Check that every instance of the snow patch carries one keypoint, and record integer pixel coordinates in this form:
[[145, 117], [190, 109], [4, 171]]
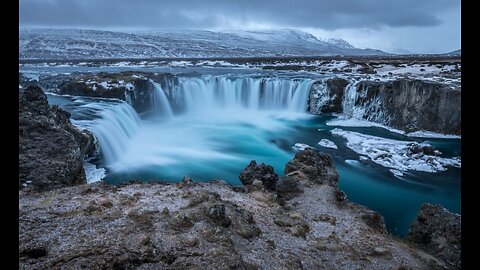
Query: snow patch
[[327, 143], [429, 134], [396, 173], [301, 146], [92, 173], [353, 122], [395, 154]]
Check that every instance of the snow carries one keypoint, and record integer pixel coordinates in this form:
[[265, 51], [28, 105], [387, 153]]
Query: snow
[[341, 121], [92, 173], [429, 134], [327, 143], [396, 173], [105, 85], [70, 44], [417, 69], [301, 146], [395, 154]]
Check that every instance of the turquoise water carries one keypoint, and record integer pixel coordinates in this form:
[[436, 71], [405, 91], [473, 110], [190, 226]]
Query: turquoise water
[[219, 146]]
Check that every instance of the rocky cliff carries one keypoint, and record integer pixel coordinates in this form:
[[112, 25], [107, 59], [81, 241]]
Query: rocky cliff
[[51, 149], [302, 222], [405, 104]]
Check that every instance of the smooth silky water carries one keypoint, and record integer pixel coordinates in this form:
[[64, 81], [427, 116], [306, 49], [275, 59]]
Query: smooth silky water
[[212, 127]]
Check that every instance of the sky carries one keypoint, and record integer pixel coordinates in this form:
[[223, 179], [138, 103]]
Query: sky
[[398, 26]]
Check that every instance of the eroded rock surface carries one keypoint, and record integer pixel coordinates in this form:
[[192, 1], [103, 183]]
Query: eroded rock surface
[[211, 225], [438, 232], [51, 149]]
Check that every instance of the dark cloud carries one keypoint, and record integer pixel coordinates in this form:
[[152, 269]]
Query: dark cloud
[[329, 15]]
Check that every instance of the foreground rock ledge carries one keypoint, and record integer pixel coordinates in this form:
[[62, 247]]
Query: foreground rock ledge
[[51, 149], [211, 225]]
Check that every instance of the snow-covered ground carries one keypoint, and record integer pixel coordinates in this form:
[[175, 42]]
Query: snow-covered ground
[[398, 155], [88, 44], [342, 121]]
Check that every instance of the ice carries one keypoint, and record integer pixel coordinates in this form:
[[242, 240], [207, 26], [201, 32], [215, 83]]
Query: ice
[[327, 143], [92, 173], [353, 122], [301, 146], [429, 134], [395, 154], [396, 173]]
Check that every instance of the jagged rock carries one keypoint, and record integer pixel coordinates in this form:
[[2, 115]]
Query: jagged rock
[[411, 105], [261, 172], [140, 96], [217, 213], [207, 226], [327, 97], [375, 221], [317, 167], [438, 232], [422, 148], [288, 187], [51, 149]]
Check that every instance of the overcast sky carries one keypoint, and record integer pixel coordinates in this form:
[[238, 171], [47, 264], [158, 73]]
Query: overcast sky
[[419, 26]]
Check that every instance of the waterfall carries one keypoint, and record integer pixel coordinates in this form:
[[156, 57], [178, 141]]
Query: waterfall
[[160, 104], [349, 98], [197, 95], [122, 135], [114, 128]]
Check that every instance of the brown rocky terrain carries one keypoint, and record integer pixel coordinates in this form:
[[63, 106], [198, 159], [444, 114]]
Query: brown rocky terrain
[[212, 225]]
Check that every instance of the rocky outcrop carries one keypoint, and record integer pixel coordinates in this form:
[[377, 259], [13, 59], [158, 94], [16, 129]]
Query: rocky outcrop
[[411, 105], [259, 172], [438, 232], [51, 149], [327, 96], [212, 225], [313, 166], [405, 104], [136, 88]]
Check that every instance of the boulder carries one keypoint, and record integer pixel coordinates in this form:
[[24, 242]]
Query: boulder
[[438, 232], [316, 167], [261, 172]]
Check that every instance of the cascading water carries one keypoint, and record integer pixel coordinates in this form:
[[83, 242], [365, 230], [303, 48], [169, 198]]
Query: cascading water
[[211, 116], [160, 105], [210, 93], [114, 127], [349, 99]]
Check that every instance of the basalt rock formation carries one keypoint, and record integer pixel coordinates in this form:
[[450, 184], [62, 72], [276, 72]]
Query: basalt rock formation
[[51, 149]]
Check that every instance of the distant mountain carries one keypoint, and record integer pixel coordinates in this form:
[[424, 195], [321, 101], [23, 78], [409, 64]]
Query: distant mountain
[[341, 43], [456, 52], [82, 44]]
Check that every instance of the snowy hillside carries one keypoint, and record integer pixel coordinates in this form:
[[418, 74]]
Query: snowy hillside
[[81, 44]]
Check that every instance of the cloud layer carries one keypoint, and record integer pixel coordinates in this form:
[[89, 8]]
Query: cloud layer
[[330, 16]]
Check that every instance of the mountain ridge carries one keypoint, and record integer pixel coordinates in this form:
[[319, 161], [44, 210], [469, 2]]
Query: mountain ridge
[[49, 43]]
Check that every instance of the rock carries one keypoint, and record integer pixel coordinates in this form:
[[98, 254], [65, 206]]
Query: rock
[[51, 149], [327, 97], [261, 172], [411, 105], [288, 187], [186, 181], [424, 148], [217, 213], [340, 196], [375, 221], [326, 218], [315, 166], [438, 232]]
